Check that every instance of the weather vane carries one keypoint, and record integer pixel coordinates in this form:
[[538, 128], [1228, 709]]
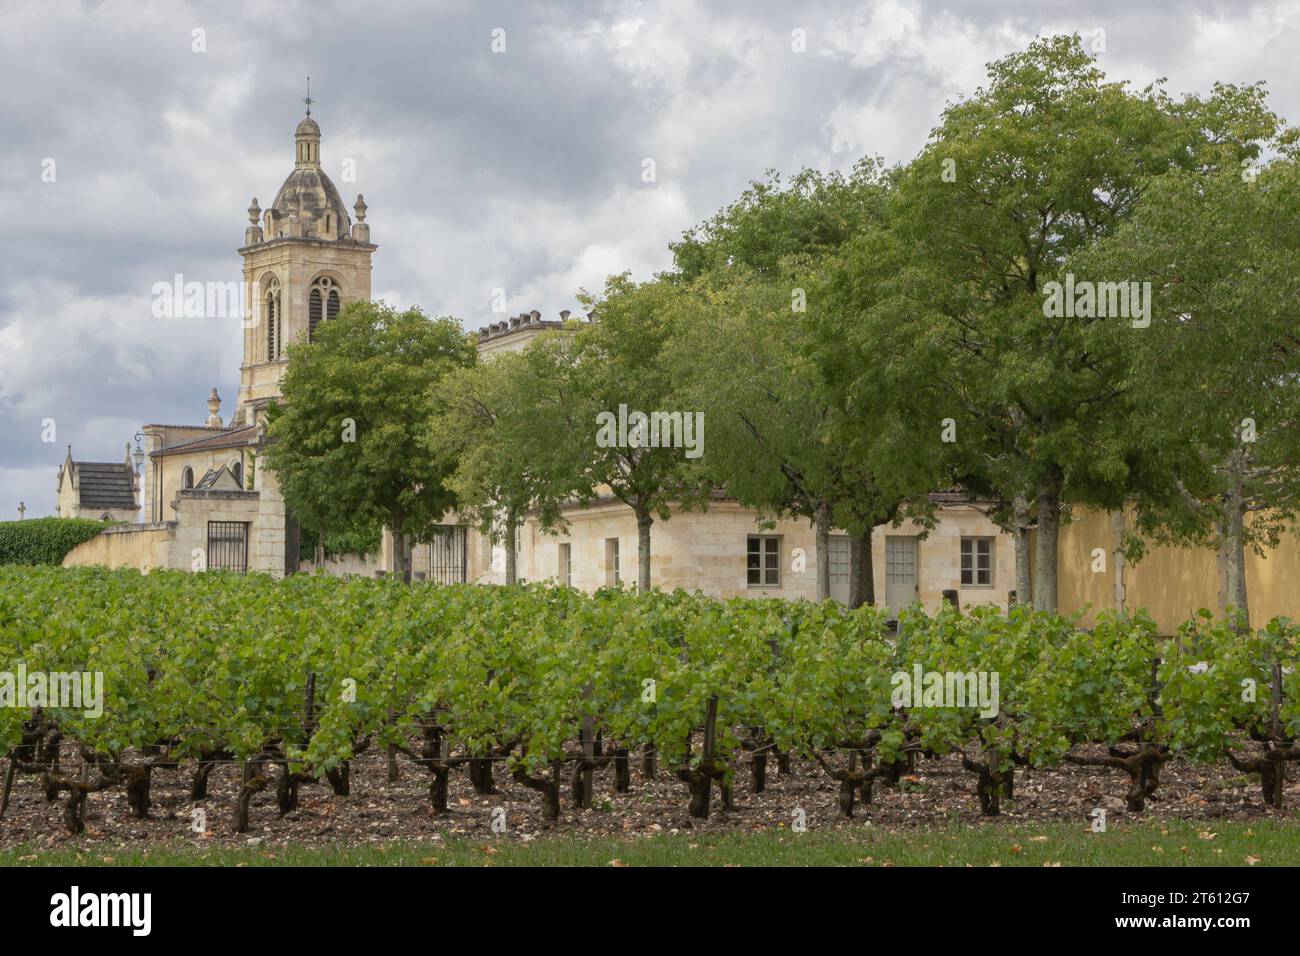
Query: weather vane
[[308, 98]]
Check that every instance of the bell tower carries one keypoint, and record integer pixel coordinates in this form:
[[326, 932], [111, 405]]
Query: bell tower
[[304, 260]]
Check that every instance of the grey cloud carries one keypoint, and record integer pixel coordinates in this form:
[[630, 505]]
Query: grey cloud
[[517, 170]]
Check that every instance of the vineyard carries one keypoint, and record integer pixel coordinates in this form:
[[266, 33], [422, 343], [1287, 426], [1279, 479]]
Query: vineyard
[[297, 682]]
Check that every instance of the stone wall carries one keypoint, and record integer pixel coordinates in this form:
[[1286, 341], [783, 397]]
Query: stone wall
[[140, 546], [194, 509], [707, 551]]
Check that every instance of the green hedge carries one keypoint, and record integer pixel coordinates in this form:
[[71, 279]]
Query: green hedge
[[348, 541], [44, 540]]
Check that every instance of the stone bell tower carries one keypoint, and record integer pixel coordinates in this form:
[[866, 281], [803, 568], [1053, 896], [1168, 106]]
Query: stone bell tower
[[304, 259]]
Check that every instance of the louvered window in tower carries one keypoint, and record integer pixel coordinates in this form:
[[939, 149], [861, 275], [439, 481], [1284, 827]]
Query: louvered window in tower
[[274, 343], [313, 314], [323, 303]]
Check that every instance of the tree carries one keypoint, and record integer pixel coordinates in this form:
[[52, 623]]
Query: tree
[[784, 439], [1038, 165], [787, 438], [348, 445], [488, 425], [773, 222], [1216, 375], [609, 414]]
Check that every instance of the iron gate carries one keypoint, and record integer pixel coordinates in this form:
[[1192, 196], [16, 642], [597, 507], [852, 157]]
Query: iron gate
[[447, 554], [227, 546]]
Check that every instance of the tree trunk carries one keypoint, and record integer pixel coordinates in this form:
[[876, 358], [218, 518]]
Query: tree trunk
[[400, 569], [1020, 536], [512, 564], [1232, 533], [1049, 529], [862, 575], [822, 523], [643, 522]]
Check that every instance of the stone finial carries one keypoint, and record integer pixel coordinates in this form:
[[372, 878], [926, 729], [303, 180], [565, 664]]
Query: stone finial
[[564, 315], [22, 510], [254, 212], [360, 208], [214, 409]]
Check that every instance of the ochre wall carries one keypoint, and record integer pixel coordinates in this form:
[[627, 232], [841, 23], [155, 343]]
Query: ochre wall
[[1171, 583], [132, 546]]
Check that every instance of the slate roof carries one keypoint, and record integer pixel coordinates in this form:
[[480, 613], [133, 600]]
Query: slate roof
[[104, 484]]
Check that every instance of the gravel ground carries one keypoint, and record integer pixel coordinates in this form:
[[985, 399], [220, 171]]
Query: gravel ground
[[939, 794]]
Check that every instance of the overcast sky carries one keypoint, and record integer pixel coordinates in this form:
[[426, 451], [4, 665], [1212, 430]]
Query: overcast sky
[[518, 170]]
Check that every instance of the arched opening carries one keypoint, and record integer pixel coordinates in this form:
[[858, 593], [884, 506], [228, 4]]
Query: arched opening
[[187, 477], [237, 469], [274, 336], [323, 303]]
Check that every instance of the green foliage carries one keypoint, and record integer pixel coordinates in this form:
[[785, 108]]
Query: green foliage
[[1214, 381], [220, 662], [44, 540], [348, 444], [337, 543]]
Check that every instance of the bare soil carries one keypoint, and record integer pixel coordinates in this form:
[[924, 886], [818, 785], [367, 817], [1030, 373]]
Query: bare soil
[[939, 794]]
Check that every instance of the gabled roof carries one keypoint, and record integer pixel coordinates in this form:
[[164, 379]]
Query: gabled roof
[[103, 484], [218, 479]]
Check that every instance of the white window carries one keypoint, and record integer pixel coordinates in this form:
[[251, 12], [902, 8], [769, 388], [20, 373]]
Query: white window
[[612, 577], [763, 561], [565, 571], [977, 562]]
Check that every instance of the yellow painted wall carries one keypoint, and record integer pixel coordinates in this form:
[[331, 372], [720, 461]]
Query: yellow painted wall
[[143, 547], [1171, 583]]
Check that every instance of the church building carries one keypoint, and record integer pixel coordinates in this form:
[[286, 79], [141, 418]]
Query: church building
[[208, 503]]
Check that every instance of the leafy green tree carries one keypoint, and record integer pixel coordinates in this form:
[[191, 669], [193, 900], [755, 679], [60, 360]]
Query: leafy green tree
[[1216, 375], [773, 221], [1039, 164], [784, 439], [348, 445], [488, 424], [788, 438], [609, 370]]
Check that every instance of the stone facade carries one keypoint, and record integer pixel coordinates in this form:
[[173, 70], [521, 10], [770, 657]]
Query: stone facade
[[99, 490], [707, 551], [304, 260]]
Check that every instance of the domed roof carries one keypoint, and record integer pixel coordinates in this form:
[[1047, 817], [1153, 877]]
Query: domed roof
[[309, 195], [308, 205]]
